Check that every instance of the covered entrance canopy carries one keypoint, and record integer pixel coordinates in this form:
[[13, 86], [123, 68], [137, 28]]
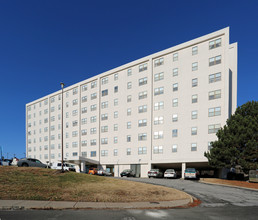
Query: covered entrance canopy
[[82, 162]]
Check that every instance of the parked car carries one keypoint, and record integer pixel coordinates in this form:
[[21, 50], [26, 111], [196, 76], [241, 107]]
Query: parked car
[[6, 162], [127, 173], [14, 161], [102, 172], [170, 173], [66, 166], [30, 162], [191, 173], [155, 173], [93, 171], [253, 176]]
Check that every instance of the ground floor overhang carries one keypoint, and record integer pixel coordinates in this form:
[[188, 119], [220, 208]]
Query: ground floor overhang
[[83, 160]]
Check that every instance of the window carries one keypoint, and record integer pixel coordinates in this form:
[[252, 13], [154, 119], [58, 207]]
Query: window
[[194, 114], [115, 102], [175, 72], [84, 99], [194, 98], [215, 94], [142, 67], [214, 43], [142, 137], [129, 72], [195, 66], [158, 120], [158, 105], [142, 95], [84, 88], [93, 84], [104, 92], [194, 131], [174, 133], [93, 119], [175, 102], [52, 118], [104, 80], [142, 150], [75, 112], [214, 77], [84, 154], [129, 124], [159, 62], [159, 91], [213, 128], [67, 94], [115, 89], [84, 132], [158, 135], [116, 76], [115, 114], [93, 131], [52, 137], [74, 144], [93, 96], [158, 76], [194, 82], [129, 85], [93, 107], [115, 127], [215, 60], [129, 98], [158, 149], [104, 129], [104, 104], [209, 146], [214, 111], [75, 101], [175, 87], [174, 148], [84, 143], [75, 91], [51, 100], [128, 151], [74, 133], [115, 152], [75, 123], [84, 121], [195, 50], [104, 153], [45, 111], [143, 81], [115, 140], [67, 104], [129, 111], [174, 118], [104, 116], [175, 56], [104, 140], [93, 142], [193, 147], [142, 108], [93, 153], [128, 138], [52, 109], [142, 123]]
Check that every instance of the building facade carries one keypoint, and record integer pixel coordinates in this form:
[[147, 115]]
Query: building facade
[[160, 111]]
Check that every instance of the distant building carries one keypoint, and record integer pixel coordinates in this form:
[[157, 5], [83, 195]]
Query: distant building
[[159, 111]]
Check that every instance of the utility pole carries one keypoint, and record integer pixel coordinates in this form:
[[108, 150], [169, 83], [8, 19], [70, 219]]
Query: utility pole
[[62, 130]]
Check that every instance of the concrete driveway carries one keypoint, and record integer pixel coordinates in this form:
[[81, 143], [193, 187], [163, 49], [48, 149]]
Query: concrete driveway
[[210, 195]]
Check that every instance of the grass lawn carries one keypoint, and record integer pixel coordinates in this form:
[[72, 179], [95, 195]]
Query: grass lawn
[[45, 184]]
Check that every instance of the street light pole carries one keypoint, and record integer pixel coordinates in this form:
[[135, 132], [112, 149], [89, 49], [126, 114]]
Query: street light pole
[[62, 130]]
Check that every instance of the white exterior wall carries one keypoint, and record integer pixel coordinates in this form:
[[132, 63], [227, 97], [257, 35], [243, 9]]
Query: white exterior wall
[[35, 116]]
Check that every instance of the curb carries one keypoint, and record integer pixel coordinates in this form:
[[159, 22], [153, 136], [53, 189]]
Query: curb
[[219, 184], [62, 205]]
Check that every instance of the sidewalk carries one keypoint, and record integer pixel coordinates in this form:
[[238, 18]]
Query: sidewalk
[[32, 204]]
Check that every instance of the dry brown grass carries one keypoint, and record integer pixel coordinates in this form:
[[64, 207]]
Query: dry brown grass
[[44, 184]]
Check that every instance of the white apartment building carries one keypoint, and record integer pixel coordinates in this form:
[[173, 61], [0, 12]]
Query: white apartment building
[[160, 111]]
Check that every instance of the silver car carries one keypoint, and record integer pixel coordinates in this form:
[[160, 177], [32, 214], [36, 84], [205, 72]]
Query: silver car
[[30, 162]]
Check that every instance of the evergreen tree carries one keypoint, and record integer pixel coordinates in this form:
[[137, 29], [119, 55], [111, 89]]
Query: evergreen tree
[[237, 142]]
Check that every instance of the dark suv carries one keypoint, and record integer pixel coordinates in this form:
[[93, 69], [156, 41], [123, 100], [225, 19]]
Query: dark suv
[[128, 173]]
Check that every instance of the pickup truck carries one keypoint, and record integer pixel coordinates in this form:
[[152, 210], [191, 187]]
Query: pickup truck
[[191, 173]]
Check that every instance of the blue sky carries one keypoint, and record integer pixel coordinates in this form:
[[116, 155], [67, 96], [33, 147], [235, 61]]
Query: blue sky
[[45, 42]]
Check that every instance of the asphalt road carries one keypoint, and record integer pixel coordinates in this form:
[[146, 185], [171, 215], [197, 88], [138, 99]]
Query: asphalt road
[[218, 202]]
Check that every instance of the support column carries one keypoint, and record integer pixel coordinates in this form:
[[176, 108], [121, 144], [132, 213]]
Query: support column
[[83, 167], [183, 170]]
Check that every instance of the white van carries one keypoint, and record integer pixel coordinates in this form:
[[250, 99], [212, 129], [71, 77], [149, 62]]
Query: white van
[[66, 166]]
